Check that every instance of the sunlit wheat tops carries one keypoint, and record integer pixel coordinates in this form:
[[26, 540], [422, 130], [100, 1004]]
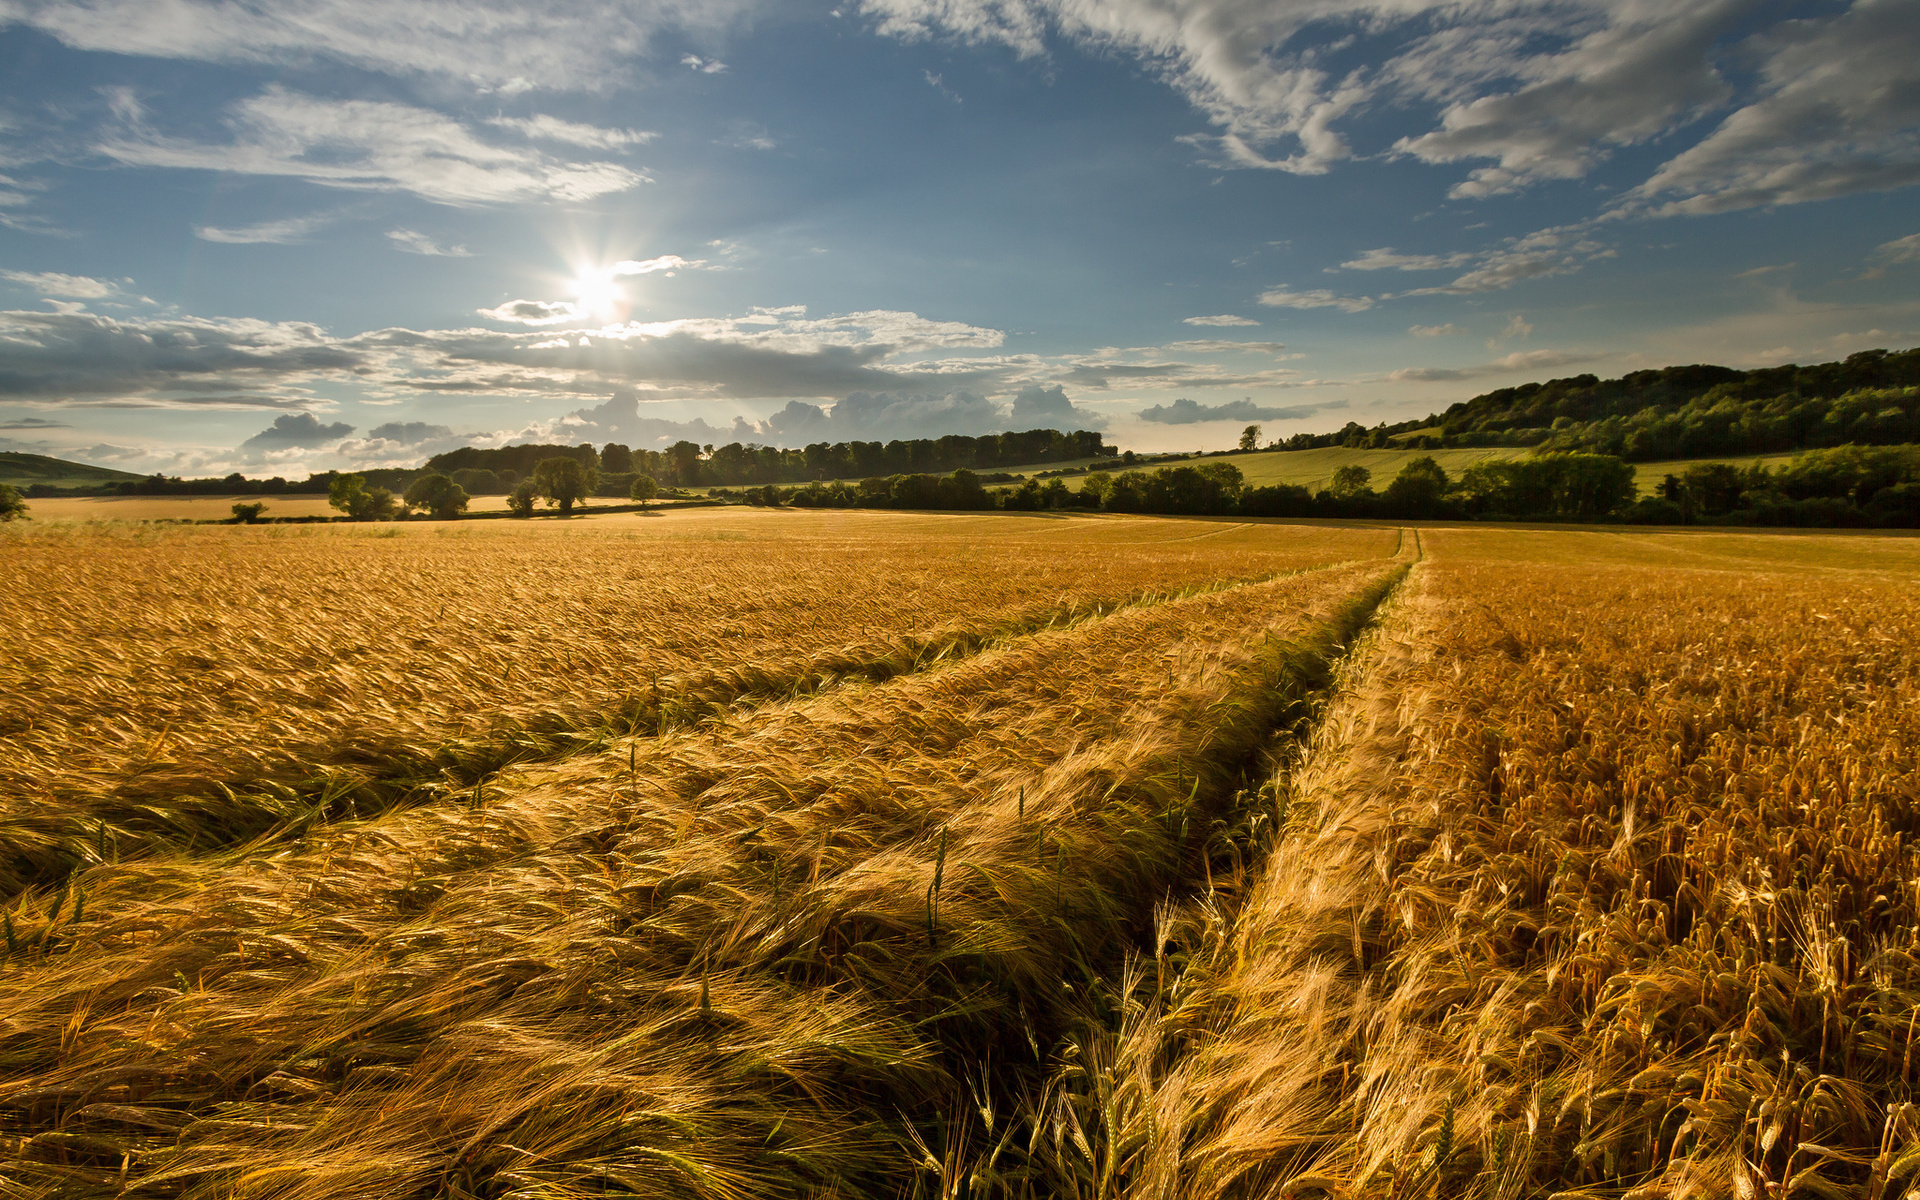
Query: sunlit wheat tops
[[202, 687], [788, 855]]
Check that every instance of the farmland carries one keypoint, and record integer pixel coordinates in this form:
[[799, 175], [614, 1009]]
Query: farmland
[[727, 854]]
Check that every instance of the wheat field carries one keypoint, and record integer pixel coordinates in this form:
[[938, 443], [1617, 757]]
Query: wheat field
[[731, 854]]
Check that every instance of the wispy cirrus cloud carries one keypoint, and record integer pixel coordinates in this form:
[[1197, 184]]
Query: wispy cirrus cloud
[[366, 145], [553, 129], [498, 45], [278, 233], [412, 242], [69, 287]]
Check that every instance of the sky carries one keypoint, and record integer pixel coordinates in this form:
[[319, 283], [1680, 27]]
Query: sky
[[282, 236]]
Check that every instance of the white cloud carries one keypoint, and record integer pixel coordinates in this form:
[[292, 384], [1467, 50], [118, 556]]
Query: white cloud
[[1646, 69], [84, 359], [1544, 89], [370, 145], [647, 266], [1900, 250], [1191, 412], [1839, 114], [1281, 297], [52, 283], [1529, 360], [1222, 319], [1037, 407], [1384, 259], [1429, 331], [419, 243], [553, 129], [534, 312], [1224, 346], [302, 430], [291, 229], [708, 66], [502, 45]]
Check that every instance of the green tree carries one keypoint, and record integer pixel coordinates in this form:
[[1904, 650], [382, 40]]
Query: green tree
[[644, 489], [439, 495], [520, 499], [351, 495], [1250, 437], [13, 506], [1351, 482], [1419, 487], [248, 514], [616, 459], [565, 482]]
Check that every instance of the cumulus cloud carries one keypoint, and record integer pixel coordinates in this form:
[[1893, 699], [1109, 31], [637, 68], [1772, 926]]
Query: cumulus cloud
[[176, 362], [1037, 407], [1838, 114], [1529, 360], [502, 45], [1281, 297], [409, 433], [534, 312], [411, 242], [282, 232], [1222, 319], [296, 431], [72, 287], [367, 145], [1191, 412], [553, 129]]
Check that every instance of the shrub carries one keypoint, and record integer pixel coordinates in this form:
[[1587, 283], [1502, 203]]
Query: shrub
[[245, 513]]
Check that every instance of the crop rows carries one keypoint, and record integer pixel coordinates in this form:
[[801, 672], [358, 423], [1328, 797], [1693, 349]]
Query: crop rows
[[825, 945], [1598, 881], [198, 688]]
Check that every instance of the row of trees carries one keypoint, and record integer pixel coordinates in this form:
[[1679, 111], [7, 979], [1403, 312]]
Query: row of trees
[[688, 465], [1849, 486], [1560, 486], [1869, 398]]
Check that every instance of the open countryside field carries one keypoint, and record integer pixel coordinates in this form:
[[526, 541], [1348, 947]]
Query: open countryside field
[[734, 853]]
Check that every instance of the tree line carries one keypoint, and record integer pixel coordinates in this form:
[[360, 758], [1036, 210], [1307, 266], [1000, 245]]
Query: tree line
[[1698, 411], [1848, 486], [689, 465]]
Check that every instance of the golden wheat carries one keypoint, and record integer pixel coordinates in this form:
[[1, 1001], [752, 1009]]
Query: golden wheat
[[173, 688], [730, 960], [1600, 881]]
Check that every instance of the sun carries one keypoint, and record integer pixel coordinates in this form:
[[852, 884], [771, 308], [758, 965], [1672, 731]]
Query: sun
[[598, 293]]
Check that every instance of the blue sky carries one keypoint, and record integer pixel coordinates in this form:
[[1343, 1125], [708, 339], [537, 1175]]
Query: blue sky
[[283, 237]]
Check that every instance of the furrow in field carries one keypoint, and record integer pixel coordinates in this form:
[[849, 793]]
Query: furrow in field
[[1600, 881], [203, 692], [767, 957]]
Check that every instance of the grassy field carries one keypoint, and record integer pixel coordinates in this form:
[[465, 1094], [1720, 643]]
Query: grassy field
[[25, 470], [737, 853]]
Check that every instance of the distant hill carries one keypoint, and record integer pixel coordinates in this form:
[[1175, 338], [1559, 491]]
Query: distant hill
[[25, 470], [1871, 398]]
